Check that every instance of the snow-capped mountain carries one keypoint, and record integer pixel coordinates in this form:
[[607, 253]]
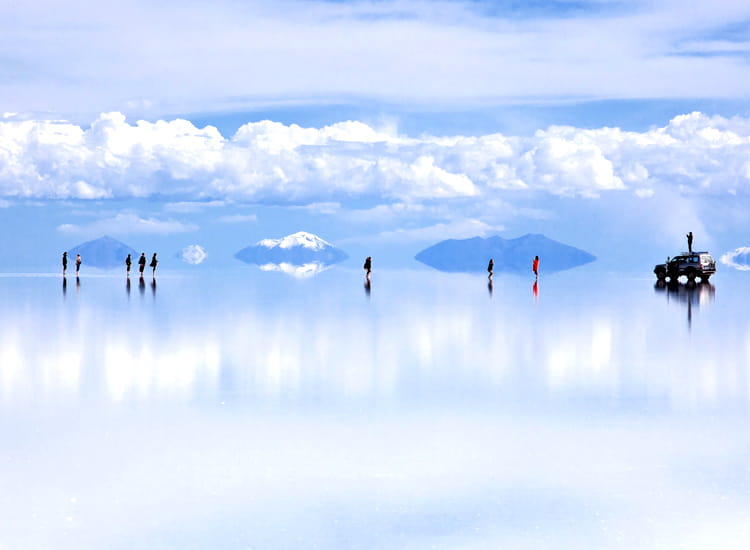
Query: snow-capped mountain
[[514, 255], [297, 249], [105, 253]]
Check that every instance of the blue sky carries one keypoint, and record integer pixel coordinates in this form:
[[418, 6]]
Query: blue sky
[[383, 125]]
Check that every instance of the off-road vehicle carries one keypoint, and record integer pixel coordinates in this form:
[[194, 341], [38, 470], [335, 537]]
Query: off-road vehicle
[[696, 265]]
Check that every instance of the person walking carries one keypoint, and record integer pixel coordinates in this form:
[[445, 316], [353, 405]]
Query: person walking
[[65, 262], [78, 264], [153, 264], [142, 263], [535, 266], [128, 263], [690, 242], [368, 267], [490, 267]]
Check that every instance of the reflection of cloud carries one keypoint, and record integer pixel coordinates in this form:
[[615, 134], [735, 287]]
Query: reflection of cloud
[[193, 254], [301, 271], [129, 222], [739, 258]]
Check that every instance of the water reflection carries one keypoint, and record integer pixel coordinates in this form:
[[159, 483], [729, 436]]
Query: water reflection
[[127, 287], [489, 287], [368, 287], [141, 286], [535, 290], [297, 270], [425, 339], [153, 288], [64, 286], [688, 294]]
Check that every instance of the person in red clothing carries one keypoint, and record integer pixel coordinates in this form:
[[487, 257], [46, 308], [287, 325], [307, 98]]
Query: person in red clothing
[[535, 266]]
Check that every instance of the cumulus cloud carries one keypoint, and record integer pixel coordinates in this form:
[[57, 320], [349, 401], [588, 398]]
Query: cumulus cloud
[[193, 254], [287, 164], [129, 222], [739, 258]]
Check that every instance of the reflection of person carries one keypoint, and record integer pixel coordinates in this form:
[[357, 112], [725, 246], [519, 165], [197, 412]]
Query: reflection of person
[[368, 287], [490, 267], [141, 285], [489, 287], [153, 263], [690, 242], [153, 287], [368, 267], [535, 289], [535, 266], [65, 287], [65, 262], [78, 263], [128, 263], [142, 263], [127, 286]]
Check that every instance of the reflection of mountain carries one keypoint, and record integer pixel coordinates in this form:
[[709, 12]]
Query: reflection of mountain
[[104, 252], [301, 271], [515, 255], [300, 250]]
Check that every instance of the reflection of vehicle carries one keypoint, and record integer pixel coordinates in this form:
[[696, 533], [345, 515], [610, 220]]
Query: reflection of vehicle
[[688, 294], [692, 266]]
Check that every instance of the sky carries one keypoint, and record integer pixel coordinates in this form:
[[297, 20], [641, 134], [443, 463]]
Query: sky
[[382, 126]]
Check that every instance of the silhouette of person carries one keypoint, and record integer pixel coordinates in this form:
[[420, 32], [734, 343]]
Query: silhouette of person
[[128, 263], [153, 264], [65, 262], [368, 267], [78, 263], [690, 242], [535, 266], [490, 267], [142, 263]]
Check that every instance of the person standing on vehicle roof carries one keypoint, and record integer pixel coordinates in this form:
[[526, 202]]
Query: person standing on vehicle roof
[[690, 242]]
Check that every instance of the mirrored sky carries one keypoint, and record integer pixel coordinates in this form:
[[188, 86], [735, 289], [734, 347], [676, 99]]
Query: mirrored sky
[[255, 410]]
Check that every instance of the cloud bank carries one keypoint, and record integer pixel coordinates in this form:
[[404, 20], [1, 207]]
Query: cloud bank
[[275, 163], [739, 258]]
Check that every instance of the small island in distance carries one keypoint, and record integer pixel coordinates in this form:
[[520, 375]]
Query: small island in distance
[[510, 255]]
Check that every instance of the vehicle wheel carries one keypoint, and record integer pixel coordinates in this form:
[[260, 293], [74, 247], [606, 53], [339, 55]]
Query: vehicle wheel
[[661, 275]]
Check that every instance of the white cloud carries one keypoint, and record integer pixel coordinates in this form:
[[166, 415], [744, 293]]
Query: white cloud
[[190, 207], [193, 254], [239, 218], [739, 258], [460, 229], [129, 222], [398, 51], [325, 167]]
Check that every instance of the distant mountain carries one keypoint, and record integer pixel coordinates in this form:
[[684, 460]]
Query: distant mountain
[[297, 250], [104, 253], [514, 255]]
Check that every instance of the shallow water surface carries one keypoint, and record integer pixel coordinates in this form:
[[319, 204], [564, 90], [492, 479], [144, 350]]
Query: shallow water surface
[[255, 410]]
